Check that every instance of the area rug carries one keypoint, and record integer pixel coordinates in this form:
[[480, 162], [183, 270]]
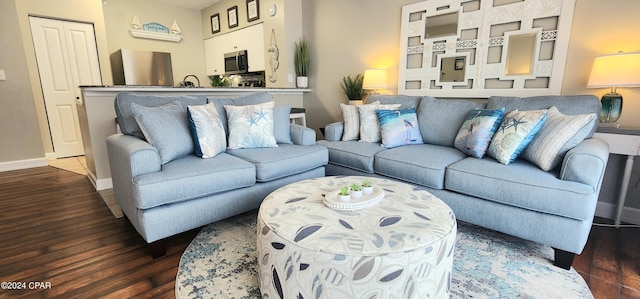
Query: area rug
[[221, 263]]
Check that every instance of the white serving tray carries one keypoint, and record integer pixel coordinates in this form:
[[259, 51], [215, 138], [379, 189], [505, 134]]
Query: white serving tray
[[332, 201]]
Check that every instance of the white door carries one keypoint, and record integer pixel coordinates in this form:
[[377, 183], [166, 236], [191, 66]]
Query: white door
[[67, 58]]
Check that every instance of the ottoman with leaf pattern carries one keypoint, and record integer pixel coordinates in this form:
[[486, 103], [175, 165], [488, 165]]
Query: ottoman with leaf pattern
[[399, 248]]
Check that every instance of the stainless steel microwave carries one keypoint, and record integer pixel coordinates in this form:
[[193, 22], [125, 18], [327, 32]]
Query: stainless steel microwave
[[236, 63]]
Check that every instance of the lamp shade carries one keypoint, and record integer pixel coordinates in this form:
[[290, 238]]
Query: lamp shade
[[615, 70], [375, 79]]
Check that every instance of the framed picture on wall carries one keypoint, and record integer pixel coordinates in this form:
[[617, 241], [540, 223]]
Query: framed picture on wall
[[232, 14], [215, 23], [253, 10]]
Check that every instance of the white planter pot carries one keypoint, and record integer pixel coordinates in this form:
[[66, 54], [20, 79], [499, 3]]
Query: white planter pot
[[356, 194], [367, 190], [344, 197], [302, 82]]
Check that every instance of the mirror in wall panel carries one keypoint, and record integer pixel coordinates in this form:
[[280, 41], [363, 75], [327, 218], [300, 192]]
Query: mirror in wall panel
[[484, 47], [521, 49], [441, 25]]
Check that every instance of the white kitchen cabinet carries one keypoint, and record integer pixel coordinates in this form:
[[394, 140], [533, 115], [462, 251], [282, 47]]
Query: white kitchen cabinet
[[249, 38]]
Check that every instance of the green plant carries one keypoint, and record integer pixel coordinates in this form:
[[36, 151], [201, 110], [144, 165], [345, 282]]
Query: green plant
[[356, 187], [366, 183], [218, 80], [352, 86], [344, 191], [301, 58]]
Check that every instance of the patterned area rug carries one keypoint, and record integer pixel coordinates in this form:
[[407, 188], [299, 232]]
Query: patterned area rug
[[221, 260]]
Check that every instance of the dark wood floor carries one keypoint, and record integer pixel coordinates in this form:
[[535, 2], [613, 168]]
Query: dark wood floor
[[54, 228]]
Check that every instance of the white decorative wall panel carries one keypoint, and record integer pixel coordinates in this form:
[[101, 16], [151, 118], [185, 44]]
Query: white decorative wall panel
[[479, 48]]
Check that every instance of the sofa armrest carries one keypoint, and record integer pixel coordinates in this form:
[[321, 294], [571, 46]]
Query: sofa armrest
[[302, 135], [586, 163], [333, 131], [131, 156]]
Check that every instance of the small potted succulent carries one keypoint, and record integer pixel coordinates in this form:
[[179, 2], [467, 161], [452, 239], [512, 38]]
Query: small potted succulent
[[356, 191], [367, 188], [344, 195]]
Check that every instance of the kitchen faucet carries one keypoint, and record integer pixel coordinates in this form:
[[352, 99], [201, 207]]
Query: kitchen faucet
[[186, 83]]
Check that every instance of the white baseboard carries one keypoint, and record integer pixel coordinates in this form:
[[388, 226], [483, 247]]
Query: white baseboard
[[23, 164], [101, 184], [608, 210]]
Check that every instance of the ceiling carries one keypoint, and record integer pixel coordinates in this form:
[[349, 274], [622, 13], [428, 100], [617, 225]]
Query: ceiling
[[191, 4]]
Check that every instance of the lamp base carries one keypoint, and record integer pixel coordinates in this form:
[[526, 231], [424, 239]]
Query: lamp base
[[609, 125], [611, 107]]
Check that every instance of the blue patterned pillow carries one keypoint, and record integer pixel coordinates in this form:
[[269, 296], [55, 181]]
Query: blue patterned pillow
[[475, 133], [399, 127], [251, 126], [208, 134], [514, 134]]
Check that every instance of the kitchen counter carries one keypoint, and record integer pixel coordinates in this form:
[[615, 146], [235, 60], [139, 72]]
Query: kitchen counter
[[98, 118]]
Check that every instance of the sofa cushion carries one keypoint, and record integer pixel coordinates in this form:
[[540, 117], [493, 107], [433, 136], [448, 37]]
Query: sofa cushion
[[440, 120], [515, 185], [282, 161], [369, 125], [166, 128], [208, 134], [192, 177], [251, 99], [281, 123], [251, 126], [422, 164], [352, 154], [569, 105], [477, 130], [558, 135], [514, 134], [399, 127], [404, 100], [351, 119], [124, 114]]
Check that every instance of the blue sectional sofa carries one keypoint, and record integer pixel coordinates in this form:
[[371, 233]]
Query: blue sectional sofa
[[163, 198], [554, 207]]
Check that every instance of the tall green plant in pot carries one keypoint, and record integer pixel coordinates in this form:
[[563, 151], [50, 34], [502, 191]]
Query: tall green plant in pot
[[352, 87], [301, 61]]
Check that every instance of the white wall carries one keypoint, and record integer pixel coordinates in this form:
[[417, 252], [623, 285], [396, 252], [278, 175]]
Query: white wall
[[187, 56]]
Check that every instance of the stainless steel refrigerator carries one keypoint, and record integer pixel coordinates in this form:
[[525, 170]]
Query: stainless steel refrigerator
[[133, 67]]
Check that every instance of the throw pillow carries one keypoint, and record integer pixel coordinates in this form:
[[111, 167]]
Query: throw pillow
[[351, 122], [369, 125], [251, 126], [475, 133], [399, 127], [166, 128], [558, 135], [514, 134], [209, 138], [282, 123]]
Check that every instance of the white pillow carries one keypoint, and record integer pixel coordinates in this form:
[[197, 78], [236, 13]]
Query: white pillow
[[207, 130], [558, 135], [251, 126], [369, 125], [351, 122]]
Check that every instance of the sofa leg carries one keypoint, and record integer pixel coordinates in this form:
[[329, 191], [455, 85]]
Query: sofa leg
[[563, 259], [158, 248]]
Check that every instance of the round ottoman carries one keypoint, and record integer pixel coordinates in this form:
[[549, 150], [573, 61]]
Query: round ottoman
[[401, 247]]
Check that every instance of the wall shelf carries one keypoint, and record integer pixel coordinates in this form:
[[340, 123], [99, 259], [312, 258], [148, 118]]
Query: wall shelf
[[155, 35]]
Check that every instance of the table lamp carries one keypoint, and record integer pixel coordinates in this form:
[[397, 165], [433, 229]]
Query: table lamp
[[375, 79], [613, 71]]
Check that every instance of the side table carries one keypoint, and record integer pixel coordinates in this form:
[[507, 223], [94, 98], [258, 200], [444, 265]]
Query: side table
[[622, 141]]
